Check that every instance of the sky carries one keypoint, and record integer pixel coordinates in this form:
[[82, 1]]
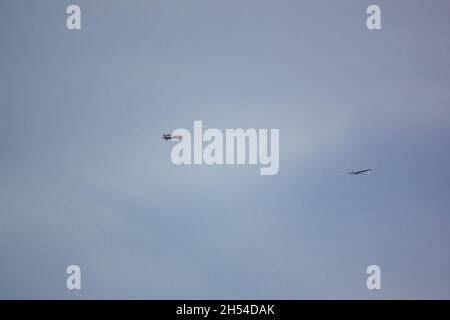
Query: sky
[[85, 178]]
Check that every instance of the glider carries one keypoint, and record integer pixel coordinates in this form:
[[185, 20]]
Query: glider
[[357, 172]]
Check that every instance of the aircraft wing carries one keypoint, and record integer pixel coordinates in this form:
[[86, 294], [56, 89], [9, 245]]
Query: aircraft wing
[[363, 171]]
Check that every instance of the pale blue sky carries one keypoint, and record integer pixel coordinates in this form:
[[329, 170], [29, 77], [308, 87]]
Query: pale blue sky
[[85, 178]]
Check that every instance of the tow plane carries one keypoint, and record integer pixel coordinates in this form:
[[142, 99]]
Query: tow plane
[[168, 136]]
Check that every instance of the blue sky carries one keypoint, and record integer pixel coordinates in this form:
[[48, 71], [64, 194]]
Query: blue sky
[[85, 178]]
